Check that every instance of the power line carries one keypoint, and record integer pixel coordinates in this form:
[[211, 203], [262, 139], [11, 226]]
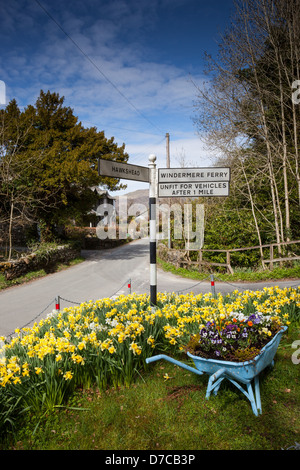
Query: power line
[[122, 128], [96, 66]]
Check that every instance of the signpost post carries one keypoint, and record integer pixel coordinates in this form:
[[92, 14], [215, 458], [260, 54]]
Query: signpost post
[[152, 229], [172, 182]]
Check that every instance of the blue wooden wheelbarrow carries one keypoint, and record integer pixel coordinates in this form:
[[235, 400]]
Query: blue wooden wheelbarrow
[[239, 373]]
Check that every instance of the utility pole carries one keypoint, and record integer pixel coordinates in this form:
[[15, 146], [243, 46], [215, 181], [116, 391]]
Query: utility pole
[[168, 149]]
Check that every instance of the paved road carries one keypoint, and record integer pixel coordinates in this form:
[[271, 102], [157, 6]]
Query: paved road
[[103, 274]]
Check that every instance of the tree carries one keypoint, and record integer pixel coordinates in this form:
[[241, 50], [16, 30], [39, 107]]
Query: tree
[[56, 158]]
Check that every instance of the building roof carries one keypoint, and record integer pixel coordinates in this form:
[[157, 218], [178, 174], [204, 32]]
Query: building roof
[[102, 192]]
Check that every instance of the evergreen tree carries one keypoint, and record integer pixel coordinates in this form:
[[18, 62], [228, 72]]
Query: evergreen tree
[[48, 154]]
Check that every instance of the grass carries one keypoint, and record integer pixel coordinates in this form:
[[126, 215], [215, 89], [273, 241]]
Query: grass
[[158, 414], [240, 275], [4, 284]]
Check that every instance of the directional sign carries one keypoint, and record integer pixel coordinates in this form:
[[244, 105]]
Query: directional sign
[[123, 170], [193, 182]]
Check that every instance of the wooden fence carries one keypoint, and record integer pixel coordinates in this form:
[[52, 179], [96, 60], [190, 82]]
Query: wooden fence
[[201, 262]]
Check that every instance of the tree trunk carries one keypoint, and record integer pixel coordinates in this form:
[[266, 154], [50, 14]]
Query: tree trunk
[[254, 216]]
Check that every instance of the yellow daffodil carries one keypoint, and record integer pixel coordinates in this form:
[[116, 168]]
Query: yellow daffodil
[[68, 375]]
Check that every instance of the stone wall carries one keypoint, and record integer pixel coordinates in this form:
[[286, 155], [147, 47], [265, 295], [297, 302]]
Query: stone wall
[[35, 261]]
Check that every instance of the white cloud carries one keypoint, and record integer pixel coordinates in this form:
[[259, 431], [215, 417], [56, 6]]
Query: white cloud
[[140, 94]]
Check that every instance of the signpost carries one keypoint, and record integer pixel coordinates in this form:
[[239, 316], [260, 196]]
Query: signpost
[[139, 173], [172, 182]]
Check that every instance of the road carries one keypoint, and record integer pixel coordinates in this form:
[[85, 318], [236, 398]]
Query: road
[[103, 274]]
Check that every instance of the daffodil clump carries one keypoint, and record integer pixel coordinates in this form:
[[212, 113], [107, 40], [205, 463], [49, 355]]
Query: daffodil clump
[[106, 342]]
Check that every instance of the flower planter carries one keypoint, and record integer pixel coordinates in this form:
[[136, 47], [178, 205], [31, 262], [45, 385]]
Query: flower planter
[[239, 373]]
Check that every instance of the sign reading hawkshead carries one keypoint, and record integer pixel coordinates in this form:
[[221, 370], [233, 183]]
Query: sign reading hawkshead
[[123, 170], [193, 182]]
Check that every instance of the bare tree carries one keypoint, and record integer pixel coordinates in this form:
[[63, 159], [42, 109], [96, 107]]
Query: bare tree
[[246, 108], [18, 203]]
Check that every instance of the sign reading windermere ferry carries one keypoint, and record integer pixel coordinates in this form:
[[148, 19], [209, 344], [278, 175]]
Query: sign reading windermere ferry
[[193, 182]]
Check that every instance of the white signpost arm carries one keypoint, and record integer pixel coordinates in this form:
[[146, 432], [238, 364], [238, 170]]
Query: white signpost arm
[[152, 229]]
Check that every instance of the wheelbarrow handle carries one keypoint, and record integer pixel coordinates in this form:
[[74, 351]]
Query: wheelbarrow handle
[[173, 361], [155, 358]]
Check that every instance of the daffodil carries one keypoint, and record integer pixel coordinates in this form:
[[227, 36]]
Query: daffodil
[[135, 348], [68, 375]]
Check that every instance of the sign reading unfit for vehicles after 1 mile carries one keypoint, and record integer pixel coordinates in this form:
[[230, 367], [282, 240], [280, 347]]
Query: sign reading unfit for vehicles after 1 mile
[[193, 182]]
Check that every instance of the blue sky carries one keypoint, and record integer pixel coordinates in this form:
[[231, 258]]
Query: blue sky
[[124, 66]]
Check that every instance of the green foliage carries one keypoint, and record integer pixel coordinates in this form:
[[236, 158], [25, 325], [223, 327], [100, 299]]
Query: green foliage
[[227, 227], [242, 355]]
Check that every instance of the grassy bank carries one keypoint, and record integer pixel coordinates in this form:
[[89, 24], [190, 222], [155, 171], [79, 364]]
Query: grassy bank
[[4, 283], [240, 275]]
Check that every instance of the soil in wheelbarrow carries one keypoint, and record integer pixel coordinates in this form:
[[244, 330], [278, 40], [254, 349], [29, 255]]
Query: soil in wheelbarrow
[[234, 353]]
